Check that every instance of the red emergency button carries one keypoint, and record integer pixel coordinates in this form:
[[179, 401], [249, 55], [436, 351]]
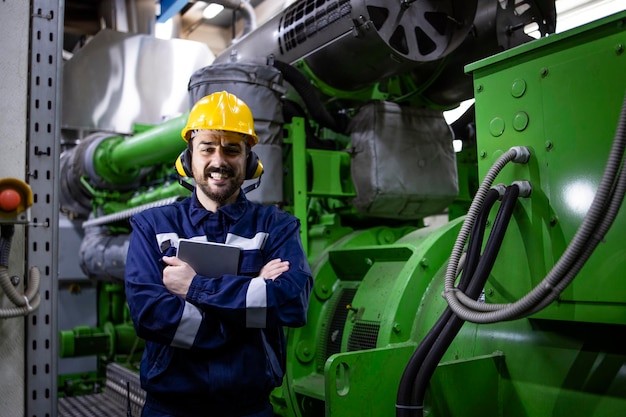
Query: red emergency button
[[10, 199], [15, 197]]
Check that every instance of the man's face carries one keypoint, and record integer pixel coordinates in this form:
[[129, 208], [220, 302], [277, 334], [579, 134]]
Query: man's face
[[219, 164]]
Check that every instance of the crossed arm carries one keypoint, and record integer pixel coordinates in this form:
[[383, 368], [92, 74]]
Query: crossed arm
[[177, 275]]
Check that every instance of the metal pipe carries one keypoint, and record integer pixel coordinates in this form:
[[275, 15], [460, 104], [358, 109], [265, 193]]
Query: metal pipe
[[248, 15]]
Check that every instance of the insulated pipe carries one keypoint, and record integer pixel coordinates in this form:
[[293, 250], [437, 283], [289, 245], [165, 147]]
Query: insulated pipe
[[379, 38], [349, 45], [102, 255]]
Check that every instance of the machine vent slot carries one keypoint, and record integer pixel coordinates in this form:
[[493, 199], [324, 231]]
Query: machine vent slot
[[333, 333], [398, 41], [364, 336], [304, 19], [439, 21], [424, 43], [378, 16]]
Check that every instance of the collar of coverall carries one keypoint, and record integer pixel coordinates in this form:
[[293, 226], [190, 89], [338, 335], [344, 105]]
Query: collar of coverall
[[234, 211]]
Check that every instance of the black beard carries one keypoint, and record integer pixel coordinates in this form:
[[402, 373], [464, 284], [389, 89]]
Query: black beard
[[224, 193]]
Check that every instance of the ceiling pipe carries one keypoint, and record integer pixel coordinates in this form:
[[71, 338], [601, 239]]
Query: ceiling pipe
[[247, 14]]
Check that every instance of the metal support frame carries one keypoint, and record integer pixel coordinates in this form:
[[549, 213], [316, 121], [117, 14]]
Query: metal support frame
[[44, 109], [300, 198]]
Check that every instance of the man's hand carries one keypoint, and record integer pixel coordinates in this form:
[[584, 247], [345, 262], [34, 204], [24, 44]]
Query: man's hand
[[177, 275], [274, 268]]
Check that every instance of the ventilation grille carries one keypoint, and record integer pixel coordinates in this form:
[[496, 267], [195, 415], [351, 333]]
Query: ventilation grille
[[306, 18], [364, 336], [333, 333]]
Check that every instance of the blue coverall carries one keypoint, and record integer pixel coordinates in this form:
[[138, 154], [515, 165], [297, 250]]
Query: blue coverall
[[221, 350]]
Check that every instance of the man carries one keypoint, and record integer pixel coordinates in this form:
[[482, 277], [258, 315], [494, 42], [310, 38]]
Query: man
[[215, 345]]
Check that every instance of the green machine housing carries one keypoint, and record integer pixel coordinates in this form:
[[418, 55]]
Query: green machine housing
[[379, 291], [560, 97]]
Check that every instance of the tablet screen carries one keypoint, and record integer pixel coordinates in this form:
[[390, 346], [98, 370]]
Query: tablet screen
[[209, 259]]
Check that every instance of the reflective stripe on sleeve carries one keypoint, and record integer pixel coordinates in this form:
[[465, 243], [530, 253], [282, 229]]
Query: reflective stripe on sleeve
[[256, 242], [187, 327], [256, 303]]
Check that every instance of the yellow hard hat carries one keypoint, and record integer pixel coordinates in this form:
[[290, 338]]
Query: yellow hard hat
[[221, 111]]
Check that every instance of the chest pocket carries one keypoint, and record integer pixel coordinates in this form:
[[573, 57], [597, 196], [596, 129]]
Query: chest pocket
[[251, 262]]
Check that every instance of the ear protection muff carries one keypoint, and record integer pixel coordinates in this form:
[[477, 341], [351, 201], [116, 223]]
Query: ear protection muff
[[254, 166], [183, 164], [183, 169]]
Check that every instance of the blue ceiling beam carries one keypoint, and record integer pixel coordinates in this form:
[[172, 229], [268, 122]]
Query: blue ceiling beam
[[169, 8]]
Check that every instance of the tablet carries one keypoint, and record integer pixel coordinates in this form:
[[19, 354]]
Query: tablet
[[209, 259]]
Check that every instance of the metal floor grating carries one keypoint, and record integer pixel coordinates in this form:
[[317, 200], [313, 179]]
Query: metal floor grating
[[121, 397]]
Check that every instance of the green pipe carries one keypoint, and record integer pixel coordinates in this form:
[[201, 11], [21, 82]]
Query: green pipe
[[117, 160], [160, 144], [172, 189]]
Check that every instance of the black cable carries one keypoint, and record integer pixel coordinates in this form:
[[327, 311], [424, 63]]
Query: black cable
[[500, 225], [309, 95], [476, 237], [428, 355], [415, 362], [292, 109], [477, 283]]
